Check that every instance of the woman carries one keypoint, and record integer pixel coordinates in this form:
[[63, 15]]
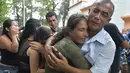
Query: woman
[[27, 36], [42, 34], [74, 36], [9, 46]]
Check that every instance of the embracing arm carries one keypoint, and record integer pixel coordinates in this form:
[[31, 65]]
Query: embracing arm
[[76, 70], [62, 64]]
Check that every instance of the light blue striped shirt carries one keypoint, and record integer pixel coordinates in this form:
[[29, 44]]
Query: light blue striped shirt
[[99, 51]]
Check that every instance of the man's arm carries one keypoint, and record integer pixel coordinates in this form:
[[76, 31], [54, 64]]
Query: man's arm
[[125, 44]]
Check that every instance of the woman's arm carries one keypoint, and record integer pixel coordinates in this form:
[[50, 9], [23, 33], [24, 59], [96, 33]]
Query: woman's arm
[[34, 60], [40, 71], [5, 43]]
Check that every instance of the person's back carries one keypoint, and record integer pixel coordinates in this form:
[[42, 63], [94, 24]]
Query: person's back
[[118, 39], [23, 58], [25, 40]]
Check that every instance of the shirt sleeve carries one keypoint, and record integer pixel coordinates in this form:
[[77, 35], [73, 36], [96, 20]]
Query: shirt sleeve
[[104, 60]]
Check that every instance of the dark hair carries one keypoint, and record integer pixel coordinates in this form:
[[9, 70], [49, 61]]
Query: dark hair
[[50, 14], [6, 24], [74, 20], [29, 29], [105, 1], [43, 33], [71, 24]]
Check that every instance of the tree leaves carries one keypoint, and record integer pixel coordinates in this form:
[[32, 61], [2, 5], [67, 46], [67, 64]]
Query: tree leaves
[[3, 10]]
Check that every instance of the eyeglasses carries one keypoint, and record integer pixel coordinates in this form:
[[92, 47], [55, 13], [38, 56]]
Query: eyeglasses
[[103, 14]]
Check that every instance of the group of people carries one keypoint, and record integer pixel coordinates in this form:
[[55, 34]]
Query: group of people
[[15, 46], [88, 44]]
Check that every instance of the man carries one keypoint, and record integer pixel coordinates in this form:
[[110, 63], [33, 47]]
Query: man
[[119, 41], [52, 20], [99, 48]]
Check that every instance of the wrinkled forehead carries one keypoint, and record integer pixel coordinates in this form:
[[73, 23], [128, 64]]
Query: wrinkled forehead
[[106, 7], [51, 18]]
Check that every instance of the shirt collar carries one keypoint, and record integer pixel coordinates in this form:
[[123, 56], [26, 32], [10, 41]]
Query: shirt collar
[[100, 37]]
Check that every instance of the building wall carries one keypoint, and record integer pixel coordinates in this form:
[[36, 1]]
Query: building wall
[[77, 7], [121, 9]]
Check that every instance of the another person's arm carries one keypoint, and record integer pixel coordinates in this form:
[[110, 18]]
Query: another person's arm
[[34, 61], [40, 71], [62, 64], [34, 56]]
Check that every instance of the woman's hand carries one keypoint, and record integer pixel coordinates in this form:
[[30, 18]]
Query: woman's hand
[[14, 30], [36, 46]]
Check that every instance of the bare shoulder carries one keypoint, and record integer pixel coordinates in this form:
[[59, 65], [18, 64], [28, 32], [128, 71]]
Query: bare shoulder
[[3, 41], [31, 52], [4, 38]]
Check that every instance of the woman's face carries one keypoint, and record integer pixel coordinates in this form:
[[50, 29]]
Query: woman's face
[[79, 33], [14, 27]]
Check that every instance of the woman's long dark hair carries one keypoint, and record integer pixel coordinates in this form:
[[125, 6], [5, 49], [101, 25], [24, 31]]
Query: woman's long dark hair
[[30, 29], [42, 34], [71, 24]]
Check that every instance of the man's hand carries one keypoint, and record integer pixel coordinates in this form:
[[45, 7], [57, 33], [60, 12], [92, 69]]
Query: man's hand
[[56, 63], [124, 68]]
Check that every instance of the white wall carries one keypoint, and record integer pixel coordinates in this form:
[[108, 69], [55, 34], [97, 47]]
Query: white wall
[[76, 8], [122, 7]]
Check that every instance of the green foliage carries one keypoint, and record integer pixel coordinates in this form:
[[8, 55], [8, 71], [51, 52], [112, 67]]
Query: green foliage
[[3, 10], [47, 5], [31, 8], [17, 10], [64, 10]]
